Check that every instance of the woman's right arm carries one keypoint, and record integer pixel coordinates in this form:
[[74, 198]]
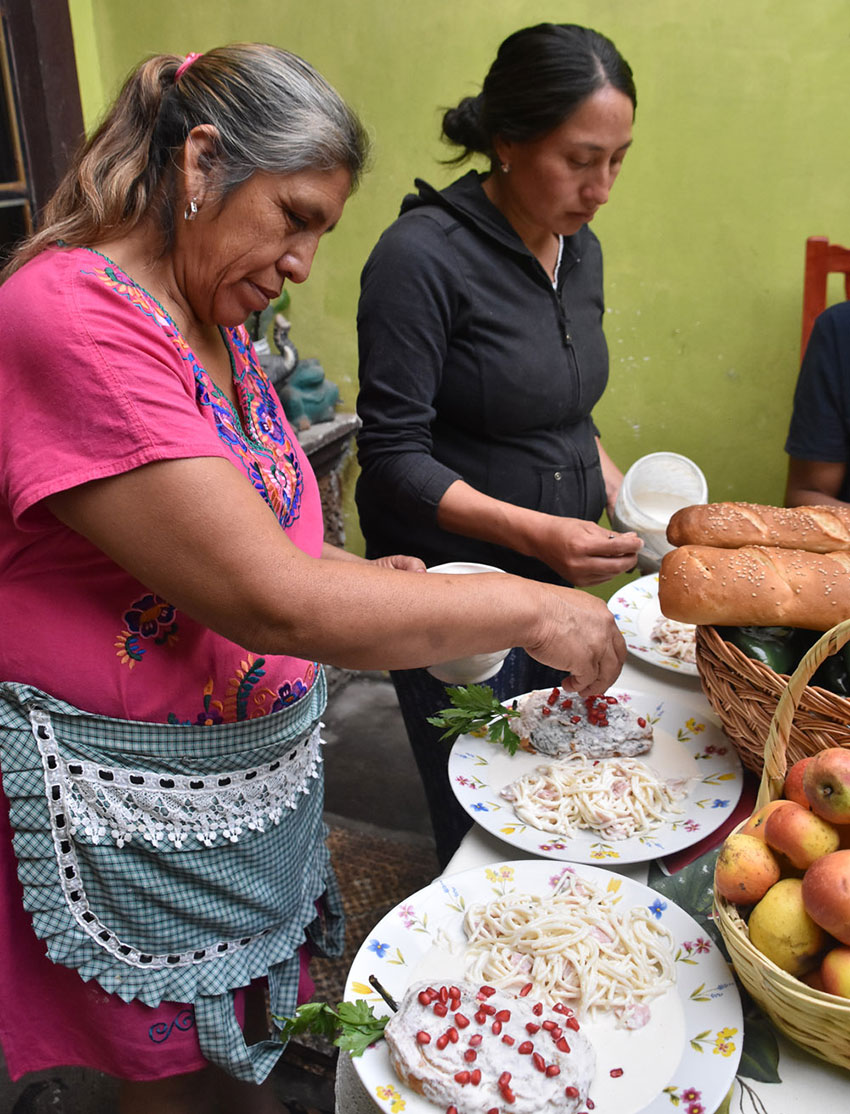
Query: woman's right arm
[[239, 574]]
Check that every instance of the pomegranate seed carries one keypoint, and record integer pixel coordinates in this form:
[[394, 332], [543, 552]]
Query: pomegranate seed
[[442, 1041], [553, 1070], [575, 719], [481, 1017], [452, 1034], [550, 1025], [462, 1077], [545, 711], [470, 1055], [440, 1010], [486, 991], [424, 998], [496, 1028], [526, 1048], [454, 992], [508, 1095], [476, 1040], [553, 696], [572, 1023], [461, 1020], [504, 1079], [532, 1028], [537, 1009], [538, 1061], [559, 1007], [444, 994], [557, 1032], [503, 1015], [488, 1009], [451, 1110], [611, 700], [493, 1110], [562, 1045], [423, 1037], [641, 721], [526, 990], [508, 1039], [571, 1092], [566, 704], [590, 1104], [615, 1073], [475, 1076]]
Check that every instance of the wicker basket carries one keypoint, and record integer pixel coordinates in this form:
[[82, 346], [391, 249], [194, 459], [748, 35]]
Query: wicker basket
[[817, 1021], [744, 694]]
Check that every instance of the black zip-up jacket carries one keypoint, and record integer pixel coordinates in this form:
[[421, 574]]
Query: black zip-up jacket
[[473, 366]]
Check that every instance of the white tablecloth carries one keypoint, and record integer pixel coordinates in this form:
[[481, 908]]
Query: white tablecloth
[[805, 1079]]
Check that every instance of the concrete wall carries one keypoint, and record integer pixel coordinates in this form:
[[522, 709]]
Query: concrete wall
[[741, 152]]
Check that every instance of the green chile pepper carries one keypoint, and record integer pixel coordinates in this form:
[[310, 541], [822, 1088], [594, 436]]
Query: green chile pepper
[[775, 647]]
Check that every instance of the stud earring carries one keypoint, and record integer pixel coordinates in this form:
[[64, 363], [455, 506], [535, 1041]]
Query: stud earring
[[505, 168], [191, 210]]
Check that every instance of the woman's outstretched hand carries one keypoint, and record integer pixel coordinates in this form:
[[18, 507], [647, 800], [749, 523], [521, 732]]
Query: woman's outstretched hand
[[579, 635], [584, 553]]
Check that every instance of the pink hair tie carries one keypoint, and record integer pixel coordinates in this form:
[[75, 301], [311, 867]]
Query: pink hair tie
[[184, 65]]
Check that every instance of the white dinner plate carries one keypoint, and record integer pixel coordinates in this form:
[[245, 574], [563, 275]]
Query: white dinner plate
[[685, 745], [684, 1060], [635, 610]]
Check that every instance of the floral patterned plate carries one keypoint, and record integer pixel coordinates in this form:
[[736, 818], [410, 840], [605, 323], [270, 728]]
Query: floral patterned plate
[[682, 1062], [636, 611], [683, 746]]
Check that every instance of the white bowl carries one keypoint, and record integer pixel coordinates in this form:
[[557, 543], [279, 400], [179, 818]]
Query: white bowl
[[477, 667]]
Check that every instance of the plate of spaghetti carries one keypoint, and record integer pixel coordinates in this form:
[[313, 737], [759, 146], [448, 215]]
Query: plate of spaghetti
[[648, 634], [612, 810], [651, 993]]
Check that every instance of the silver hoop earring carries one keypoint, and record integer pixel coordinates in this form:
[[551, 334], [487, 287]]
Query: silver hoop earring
[[191, 210], [505, 168]]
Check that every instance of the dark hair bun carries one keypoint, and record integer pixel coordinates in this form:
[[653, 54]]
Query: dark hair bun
[[462, 126]]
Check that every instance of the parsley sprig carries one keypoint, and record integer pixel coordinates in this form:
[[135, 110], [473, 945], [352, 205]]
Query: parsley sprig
[[475, 709], [352, 1026]]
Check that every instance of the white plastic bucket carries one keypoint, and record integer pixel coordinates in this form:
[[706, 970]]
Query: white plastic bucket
[[654, 488]]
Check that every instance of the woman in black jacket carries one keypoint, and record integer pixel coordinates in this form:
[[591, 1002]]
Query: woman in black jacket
[[482, 353]]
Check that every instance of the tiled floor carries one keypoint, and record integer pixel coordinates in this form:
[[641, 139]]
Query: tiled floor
[[382, 850]]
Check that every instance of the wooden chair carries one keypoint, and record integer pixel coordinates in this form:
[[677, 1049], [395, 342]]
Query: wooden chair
[[822, 260]]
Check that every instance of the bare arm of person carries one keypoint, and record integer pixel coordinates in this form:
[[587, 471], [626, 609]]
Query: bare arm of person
[[814, 483], [612, 476], [238, 573], [580, 551]]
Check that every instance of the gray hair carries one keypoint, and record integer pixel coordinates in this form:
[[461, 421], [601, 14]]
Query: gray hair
[[272, 112]]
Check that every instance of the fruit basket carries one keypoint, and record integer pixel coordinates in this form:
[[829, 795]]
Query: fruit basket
[[744, 694], [816, 1021]]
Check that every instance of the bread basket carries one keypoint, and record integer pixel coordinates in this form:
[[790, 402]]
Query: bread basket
[[744, 694], [816, 1021]]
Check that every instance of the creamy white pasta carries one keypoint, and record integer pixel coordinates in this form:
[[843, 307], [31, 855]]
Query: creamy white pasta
[[576, 948], [674, 639], [616, 797]]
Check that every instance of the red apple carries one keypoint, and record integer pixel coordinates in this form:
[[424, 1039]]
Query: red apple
[[835, 972], [826, 894], [826, 782], [801, 835], [793, 788]]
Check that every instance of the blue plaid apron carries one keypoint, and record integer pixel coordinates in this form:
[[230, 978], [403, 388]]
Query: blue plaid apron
[[174, 863]]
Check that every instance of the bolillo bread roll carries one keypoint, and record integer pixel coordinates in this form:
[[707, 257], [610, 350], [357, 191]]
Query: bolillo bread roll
[[731, 525], [755, 586]]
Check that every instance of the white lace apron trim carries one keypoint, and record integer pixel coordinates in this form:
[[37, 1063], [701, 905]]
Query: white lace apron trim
[[113, 804]]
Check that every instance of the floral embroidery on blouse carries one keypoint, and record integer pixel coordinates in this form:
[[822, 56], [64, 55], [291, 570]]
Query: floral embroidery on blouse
[[246, 698], [268, 456]]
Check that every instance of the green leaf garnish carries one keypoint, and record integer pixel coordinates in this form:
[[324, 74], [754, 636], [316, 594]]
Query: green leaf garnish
[[352, 1026], [476, 709]]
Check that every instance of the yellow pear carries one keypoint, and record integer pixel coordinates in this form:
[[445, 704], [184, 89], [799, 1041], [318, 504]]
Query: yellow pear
[[782, 930]]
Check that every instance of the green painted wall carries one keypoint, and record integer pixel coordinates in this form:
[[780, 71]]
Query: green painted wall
[[741, 152]]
